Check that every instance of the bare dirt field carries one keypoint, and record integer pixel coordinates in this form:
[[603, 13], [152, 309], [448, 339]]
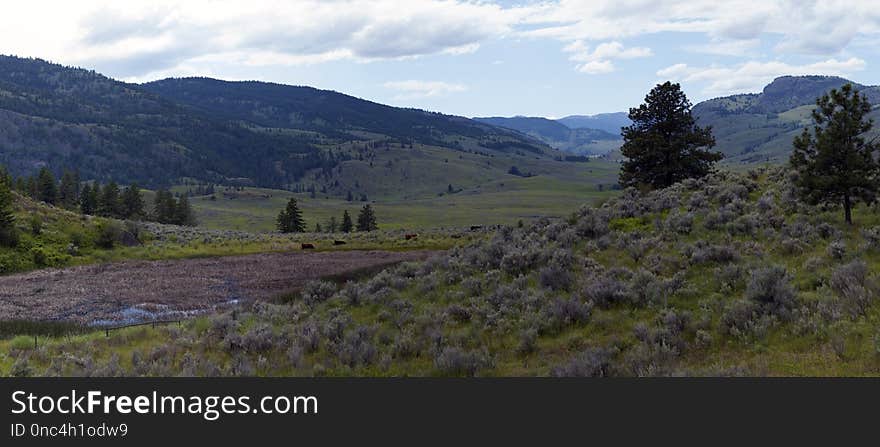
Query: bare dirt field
[[135, 291]]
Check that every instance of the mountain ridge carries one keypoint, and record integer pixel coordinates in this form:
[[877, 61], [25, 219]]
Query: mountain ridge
[[67, 117]]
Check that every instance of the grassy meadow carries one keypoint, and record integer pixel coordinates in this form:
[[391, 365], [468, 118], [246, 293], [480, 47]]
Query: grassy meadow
[[409, 189]]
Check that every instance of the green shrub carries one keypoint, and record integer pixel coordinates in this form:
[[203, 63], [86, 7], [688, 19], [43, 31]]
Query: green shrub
[[108, 235], [21, 343]]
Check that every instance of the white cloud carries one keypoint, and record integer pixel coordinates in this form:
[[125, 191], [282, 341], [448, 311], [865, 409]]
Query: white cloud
[[144, 38], [410, 89], [596, 67], [140, 36], [753, 76], [600, 59], [722, 47]]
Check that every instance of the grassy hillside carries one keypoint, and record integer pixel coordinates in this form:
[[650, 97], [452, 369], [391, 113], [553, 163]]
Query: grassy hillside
[[729, 275]]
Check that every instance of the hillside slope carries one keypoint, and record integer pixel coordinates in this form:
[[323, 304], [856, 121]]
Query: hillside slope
[[759, 128], [205, 129]]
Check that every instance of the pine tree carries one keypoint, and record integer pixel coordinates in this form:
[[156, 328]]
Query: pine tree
[[109, 204], [664, 145], [164, 207], [68, 193], [367, 219], [332, 225], [347, 226], [8, 232], [290, 219], [88, 203], [318, 228], [133, 203], [835, 163], [47, 188], [184, 213]]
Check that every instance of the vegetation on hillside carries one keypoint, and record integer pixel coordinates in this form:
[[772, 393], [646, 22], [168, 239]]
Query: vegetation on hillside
[[222, 132], [728, 274], [760, 128], [836, 163]]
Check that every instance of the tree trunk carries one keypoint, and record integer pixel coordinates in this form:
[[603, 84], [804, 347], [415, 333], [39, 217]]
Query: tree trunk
[[847, 208]]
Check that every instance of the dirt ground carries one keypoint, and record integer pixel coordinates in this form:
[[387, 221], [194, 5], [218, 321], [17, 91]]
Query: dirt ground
[[135, 291]]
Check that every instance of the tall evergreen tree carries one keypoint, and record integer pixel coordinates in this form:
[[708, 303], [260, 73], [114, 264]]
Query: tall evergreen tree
[[68, 193], [31, 188], [133, 203], [664, 145], [88, 203], [109, 204], [367, 219], [8, 232], [164, 207], [347, 226], [47, 188], [835, 163], [184, 213], [290, 218]]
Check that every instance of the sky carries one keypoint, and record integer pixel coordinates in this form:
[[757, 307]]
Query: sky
[[470, 58]]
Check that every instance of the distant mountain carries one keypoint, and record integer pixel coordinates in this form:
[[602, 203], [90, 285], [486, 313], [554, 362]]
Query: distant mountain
[[760, 127], [557, 135], [258, 133], [609, 122], [331, 113]]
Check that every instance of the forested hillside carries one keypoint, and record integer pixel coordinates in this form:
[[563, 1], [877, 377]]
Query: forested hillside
[[70, 118]]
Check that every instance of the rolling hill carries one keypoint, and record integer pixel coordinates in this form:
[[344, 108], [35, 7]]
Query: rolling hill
[[215, 131], [760, 127]]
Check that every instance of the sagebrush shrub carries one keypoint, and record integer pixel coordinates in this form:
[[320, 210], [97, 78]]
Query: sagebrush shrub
[[852, 284], [554, 277], [315, 292], [836, 250], [593, 362], [703, 253], [454, 361], [771, 288], [607, 291], [562, 313]]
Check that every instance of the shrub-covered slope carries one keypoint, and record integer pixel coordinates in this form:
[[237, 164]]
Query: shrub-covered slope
[[725, 275]]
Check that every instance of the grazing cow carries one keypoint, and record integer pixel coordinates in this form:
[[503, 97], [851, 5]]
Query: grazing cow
[[306, 246], [338, 242], [411, 236], [476, 227]]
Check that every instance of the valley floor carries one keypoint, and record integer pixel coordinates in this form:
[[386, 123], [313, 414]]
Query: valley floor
[[135, 291]]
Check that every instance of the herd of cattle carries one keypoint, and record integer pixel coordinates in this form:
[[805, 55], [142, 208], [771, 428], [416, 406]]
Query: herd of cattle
[[407, 236]]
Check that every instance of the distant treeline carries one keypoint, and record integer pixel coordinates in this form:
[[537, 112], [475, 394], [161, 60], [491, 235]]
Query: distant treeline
[[109, 200]]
